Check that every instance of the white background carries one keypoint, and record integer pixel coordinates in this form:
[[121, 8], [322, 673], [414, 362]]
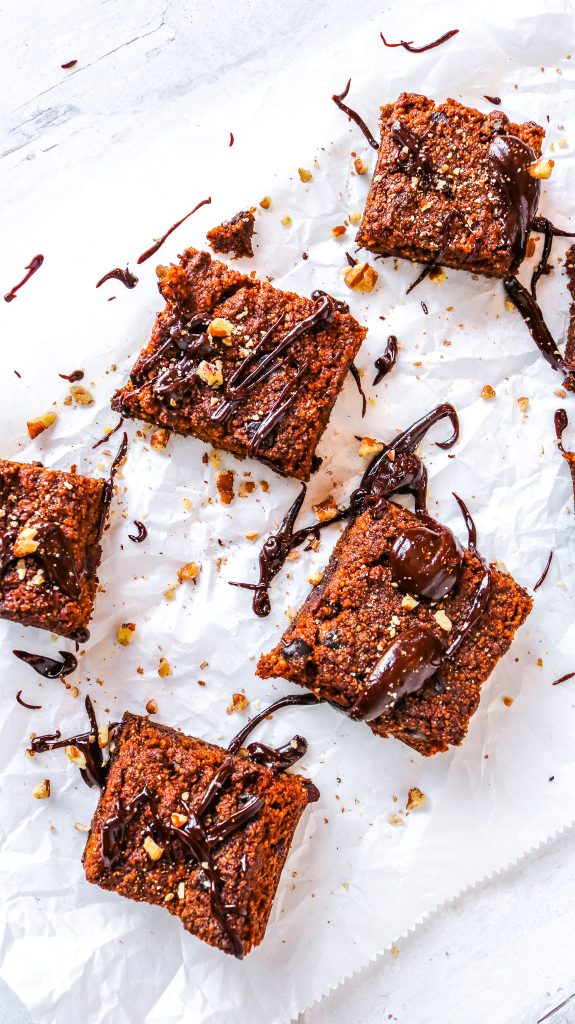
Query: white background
[[503, 953]]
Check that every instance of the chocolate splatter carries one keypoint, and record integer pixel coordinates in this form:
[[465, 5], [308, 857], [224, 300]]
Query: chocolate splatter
[[31, 267], [142, 532], [543, 575], [76, 375], [107, 436], [47, 667], [354, 116], [95, 771], [420, 49], [355, 374], [385, 362], [232, 140], [68, 64], [549, 232], [24, 704], [496, 100], [563, 679], [160, 241], [127, 278]]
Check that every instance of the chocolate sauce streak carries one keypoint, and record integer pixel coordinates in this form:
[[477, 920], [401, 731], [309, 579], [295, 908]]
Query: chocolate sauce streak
[[538, 329], [385, 362], [160, 241], [94, 774], [31, 267], [411, 152], [355, 374], [22, 702], [543, 575], [232, 140], [509, 161], [563, 679], [107, 436], [561, 424], [354, 116], [424, 308], [395, 470], [54, 554], [200, 837], [108, 488], [420, 49], [47, 667], [426, 560], [453, 214], [496, 100], [549, 232], [141, 534], [125, 276], [483, 592], [72, 377], [407, 664], [68, 64]]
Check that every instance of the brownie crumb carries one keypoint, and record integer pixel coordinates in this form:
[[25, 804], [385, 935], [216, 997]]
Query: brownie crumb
[[234, 236]]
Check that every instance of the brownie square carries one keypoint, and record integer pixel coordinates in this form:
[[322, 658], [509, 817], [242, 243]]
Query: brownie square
[[51, 525], [357, 612], [212, 340], [451, 186], [219, 881]]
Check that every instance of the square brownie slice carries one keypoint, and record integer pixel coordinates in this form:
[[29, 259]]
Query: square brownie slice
[[186, 825], [51, 525], [452, 186], [242, 365], [362, 635]]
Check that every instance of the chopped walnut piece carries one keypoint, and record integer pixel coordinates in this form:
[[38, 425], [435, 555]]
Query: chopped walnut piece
[[542, 168], [178, 820], [25, 544], [286, 221], [508, 701], [225, 485], [488, 392], [220, 328], [42, 790], [189, 571], [304, 175], [81, 395], [103, 736], [125, 633], [76, 756], [361, 278], [211, 372], [164, 668], [338, 230], [523, 404], [443, 620], [409, 602], [360, 165], [326, 509], [159, 439], [152, 707], [246, 487], [415, 799], [37, 426], [368, 447], [239, 702], [152, 849], [355, 217], [265, 203], [315, 579]]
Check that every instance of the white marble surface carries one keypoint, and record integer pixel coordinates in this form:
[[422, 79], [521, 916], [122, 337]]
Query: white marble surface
[[502, 953]]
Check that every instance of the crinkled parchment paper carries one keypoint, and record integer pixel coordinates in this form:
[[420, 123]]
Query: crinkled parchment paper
[[361, 871]]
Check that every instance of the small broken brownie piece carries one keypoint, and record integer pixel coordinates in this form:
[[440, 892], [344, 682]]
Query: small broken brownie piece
[[191, 827], [49, 546], [242, 365], [452, 186], [368, 640], [234, 236]]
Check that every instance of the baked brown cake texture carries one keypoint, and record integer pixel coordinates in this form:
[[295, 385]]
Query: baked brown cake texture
[[32, 499], [457, 215], [353, 614], [248, 863], [202, 287], [234, 236]]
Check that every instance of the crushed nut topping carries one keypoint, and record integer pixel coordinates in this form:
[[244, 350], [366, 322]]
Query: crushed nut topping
[[152, 849], [368, 447], [37, 426], [361, 278], [42, 790], [125, 633]]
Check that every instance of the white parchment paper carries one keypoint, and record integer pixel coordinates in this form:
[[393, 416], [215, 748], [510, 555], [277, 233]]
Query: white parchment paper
[[361, 871]]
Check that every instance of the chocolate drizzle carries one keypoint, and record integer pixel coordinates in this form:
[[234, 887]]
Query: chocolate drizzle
[[54, 554], [509, 160], [354, 116], [107, 436], [411, 152], [385, 362], [94, 774], [496, 100], [561, 424], [31, 267], [426, 560], [420, 49], [407, 664], [108, 488], [68, 64], [160, 241], [483, 592], [355, 374], [198, 837], [549, 232], [543, 575], [538, 329], [24, 704], [563, 679], [72, 377], [128, 279], [49, 668], [141, 534], [395, 470]]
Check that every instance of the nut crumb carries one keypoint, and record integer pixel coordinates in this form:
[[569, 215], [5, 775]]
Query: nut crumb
[[239, 702], [225, 485], [360, 166], [488, 392], [76, 756], [220, 328], [361, 278], [125, 633], [409, 602], [265, 203], [152, 707], [159, 439], [210, 371], [443, 620], [325, 509], [189, 571], [355, 217], [541, 169], [508, 701], [523, 404], [37, 426], [42, 790], [81, 395], [152, 849], [415, 798], [304, 175], [368, 447], [164, 668]]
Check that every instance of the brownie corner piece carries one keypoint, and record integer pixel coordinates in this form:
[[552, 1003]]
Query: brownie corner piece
[[50, 547], [186, 825], [358, 616], [452, 186], [244, 366], [234, 236]]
